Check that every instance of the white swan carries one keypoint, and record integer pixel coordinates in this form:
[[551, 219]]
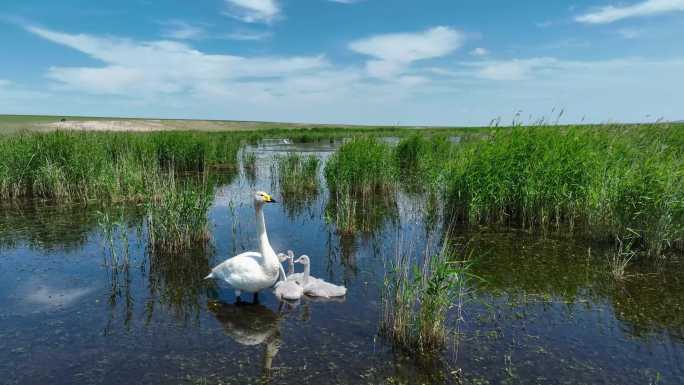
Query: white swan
[[288, 289], [252, 271], [317, 287]]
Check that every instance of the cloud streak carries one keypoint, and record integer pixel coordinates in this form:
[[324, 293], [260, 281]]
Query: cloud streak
[[161, 66], [180, 30], [393, 53], [610, 14], [253, 11]]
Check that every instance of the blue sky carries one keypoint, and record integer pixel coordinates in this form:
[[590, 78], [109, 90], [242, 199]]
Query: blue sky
[[444, 62]]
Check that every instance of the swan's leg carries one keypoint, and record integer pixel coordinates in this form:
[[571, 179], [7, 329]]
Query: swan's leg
[[237, 295]]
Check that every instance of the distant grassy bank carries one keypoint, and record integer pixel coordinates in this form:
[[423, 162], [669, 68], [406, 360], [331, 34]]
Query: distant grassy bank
[[10, 124]]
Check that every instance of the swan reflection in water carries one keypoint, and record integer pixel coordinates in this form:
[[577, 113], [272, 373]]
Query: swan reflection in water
[[250, 325]]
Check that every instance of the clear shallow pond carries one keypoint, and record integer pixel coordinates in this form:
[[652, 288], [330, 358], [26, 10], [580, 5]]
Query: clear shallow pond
[[545, 312]]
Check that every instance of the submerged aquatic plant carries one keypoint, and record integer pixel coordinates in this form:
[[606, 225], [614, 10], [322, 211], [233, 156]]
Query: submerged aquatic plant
[[417, 298]]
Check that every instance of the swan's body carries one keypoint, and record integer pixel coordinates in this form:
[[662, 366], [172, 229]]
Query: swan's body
[[246, 272], [288, 289], [317, 287], [252, 271]]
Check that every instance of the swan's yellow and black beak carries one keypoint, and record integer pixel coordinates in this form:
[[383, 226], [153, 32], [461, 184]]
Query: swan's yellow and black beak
[[269, 199]]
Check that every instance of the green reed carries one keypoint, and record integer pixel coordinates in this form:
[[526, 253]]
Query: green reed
[[298, 181], [81, 166], [249, 164], [297, 174], [417, 297], [364, 164], [420, 159], [610, 180], [177, 215], [607, 180], [361, 180]]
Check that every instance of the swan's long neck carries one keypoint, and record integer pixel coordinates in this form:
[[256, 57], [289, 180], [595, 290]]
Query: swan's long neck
[[290, 266], [307, 271], [264, 245]]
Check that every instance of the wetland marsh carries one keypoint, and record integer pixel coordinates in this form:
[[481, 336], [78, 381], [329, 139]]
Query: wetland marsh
[[102, 255]]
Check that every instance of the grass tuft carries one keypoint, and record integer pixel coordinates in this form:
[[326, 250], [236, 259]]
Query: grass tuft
[[360, 176], [177, 216], [417, 297]]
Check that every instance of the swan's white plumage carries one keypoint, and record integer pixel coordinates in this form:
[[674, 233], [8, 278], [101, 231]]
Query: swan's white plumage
[[252, 271], [316, 287], [288, 289], [246, 272]]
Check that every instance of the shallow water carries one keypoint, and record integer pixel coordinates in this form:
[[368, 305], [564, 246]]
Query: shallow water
[[545, 310]]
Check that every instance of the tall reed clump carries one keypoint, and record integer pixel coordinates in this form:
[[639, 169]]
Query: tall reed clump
[[421, 160], [360, 177], [82, 166], [611, 181], [297, 178], [297, 174], [249, 165], [177, 216], [417, 298], [363, 165]]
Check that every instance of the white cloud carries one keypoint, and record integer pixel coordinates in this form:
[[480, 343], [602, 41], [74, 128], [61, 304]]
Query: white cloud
[[479, 51], [161, 66], [610, 13], [181, 30], [248, 35], [173, 80], [408, 47], [253, 11], [393, 53], [516, 69]]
